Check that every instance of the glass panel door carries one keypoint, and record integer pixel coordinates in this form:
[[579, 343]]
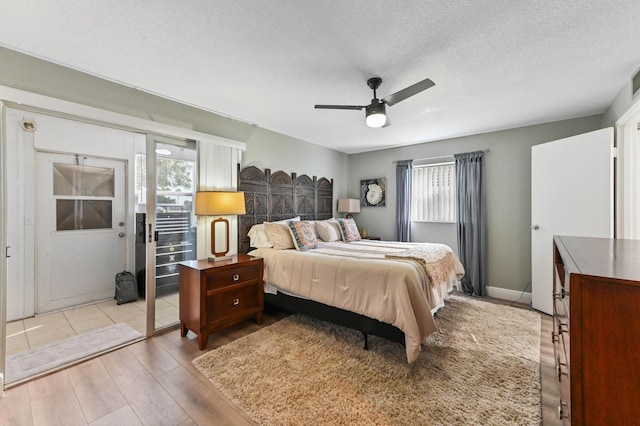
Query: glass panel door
[[167, 226]]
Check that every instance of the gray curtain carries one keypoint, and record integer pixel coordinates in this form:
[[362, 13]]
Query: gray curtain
[[403, 200], [471, 223]]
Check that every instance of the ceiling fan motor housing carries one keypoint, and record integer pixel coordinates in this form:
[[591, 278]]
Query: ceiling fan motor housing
[[376, 107]]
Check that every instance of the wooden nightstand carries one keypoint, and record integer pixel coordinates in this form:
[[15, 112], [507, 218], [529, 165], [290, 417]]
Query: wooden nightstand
[[216, 295]]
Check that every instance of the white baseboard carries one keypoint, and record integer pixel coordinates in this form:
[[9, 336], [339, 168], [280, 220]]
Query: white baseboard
[[510, 295]]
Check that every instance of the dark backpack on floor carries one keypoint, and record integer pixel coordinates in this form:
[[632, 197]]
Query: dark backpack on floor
[[126, 288]]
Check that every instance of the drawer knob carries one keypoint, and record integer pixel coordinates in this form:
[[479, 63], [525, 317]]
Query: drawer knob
[[236, 277], [236, 302]]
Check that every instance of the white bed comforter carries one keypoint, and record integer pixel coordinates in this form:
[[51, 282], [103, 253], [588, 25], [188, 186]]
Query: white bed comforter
[[388, 281]]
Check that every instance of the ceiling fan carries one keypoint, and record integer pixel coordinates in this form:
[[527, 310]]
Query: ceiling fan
[[375, 112]]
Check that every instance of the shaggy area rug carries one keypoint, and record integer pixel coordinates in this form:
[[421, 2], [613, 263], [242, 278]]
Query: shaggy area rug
[[68, 351], [482, 366]]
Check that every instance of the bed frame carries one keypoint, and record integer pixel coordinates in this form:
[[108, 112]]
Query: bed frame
[[271, 197]]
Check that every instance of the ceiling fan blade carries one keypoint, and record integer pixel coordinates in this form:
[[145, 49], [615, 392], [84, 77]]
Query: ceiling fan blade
[[356, 107], [408, 92]]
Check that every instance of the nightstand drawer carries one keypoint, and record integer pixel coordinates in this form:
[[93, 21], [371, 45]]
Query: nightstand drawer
[[232, 302], [241, 274]]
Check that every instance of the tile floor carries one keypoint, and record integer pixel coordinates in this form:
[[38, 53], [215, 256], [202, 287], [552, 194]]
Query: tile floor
[[30, 333]]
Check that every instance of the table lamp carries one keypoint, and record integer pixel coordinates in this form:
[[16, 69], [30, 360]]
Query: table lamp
[[219, 203], [348, 205]]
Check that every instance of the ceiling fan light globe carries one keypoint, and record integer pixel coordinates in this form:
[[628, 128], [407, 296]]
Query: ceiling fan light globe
[[376, 120], [376, 114]]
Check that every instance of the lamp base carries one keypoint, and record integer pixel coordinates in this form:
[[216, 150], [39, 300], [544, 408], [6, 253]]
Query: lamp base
[[219, 258]]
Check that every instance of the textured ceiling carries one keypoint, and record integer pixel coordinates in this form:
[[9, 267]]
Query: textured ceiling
[[496, 64]]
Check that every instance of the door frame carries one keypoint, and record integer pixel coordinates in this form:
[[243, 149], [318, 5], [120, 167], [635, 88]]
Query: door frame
[[57, 143], [627, 140], [151, 158], [3, 245], [150, 230]]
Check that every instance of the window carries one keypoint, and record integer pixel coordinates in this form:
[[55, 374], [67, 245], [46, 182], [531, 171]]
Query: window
[[84, 196], [433, 193]]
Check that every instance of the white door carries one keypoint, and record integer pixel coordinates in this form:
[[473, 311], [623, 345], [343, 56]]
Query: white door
[[81, 229], [571, 194]]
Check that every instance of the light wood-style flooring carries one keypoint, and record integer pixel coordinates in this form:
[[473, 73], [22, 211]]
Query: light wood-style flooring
[[154, 383]]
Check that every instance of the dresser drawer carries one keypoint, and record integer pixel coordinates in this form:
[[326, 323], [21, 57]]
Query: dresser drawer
[[232, 302], [232, 276]]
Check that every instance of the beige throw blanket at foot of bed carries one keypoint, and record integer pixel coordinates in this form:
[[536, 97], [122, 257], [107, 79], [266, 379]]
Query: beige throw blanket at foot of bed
[[438, 260]]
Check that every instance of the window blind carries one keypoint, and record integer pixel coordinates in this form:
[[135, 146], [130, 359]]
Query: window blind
[[433, 193]]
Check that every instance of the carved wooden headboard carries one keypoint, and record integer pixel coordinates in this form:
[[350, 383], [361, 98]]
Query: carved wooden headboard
[[271, 197]]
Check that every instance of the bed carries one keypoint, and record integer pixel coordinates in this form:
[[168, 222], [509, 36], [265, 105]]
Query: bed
[[388, 289]]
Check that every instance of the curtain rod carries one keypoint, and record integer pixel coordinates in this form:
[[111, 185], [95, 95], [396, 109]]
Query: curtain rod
[[438, 158]]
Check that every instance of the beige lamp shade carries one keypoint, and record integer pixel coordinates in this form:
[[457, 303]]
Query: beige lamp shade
[[348, 205], [219, 203]]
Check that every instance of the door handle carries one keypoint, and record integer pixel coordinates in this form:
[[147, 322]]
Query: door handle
[[535, 227], [121, 234], [6, 251], [153, 235]]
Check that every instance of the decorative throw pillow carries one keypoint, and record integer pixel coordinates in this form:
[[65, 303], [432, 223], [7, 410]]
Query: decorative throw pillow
[[279, 235], [304, 235], [258, 236], [349, 230], [328, 230]]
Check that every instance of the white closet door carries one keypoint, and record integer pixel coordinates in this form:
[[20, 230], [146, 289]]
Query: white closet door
[[571, 194]]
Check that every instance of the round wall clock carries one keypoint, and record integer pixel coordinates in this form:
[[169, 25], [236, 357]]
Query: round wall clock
[[372, 192]]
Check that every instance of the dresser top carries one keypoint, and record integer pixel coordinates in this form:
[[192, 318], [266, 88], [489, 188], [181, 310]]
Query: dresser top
[[603, 257]]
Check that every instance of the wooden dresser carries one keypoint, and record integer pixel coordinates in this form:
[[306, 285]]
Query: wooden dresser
[[596, 331], [215, 295]]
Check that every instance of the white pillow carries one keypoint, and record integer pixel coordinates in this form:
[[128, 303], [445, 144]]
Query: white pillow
[[279, 235], [258, 236], [328, 230]]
